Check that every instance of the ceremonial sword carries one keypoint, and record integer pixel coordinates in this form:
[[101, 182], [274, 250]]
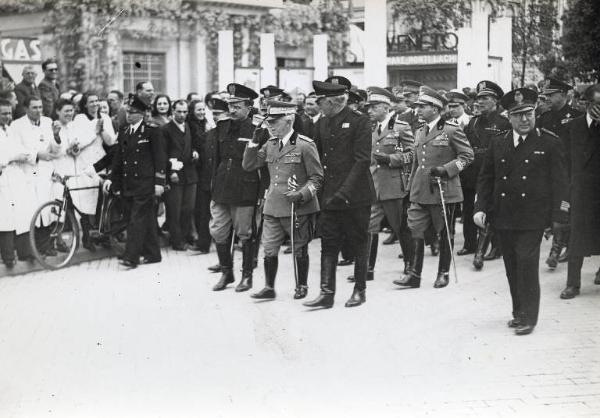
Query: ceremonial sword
[[439, 182]]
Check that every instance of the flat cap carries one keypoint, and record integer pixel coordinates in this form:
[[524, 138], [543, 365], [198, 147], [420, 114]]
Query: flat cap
[[238, 92], [552, 85], [323, 89], [519, 100], [379, 95], [489, 88], [338, 79], [427, 95]]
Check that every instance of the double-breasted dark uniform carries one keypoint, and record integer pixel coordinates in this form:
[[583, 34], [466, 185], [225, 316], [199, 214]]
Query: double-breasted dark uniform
[[526, 190], [139, 163]]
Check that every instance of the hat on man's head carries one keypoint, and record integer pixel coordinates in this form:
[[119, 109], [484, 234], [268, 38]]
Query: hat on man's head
[[285, 97], [271, 91], [552, 85], [338, 79], [362, 93], [218, 105], [489, 88], [354, 97], [135, 102], [379, 95], [323, 89], [519, 100], [456, 96], [238, 92], [429, 96], [410, 86], [277, 109]]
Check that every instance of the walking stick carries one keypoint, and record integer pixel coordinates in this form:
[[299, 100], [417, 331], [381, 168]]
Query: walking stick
[[439, 182], [293, 185]]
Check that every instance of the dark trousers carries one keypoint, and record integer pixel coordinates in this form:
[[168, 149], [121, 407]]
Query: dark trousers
[[521, 254], [202, 218], [180, 202], [469, 227], [354, 224], [574, 271], [142, 232]]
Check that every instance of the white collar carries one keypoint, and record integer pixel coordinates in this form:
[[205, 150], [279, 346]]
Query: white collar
[[287, 137], [316, 117], [181, 126], [386, 121], [516, 137], [136, 126], [433, 123], [588, 119]]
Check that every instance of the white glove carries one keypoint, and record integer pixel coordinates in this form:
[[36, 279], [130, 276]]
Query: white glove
[[158, 190], [106, 186], [479, 219], [175, 164]]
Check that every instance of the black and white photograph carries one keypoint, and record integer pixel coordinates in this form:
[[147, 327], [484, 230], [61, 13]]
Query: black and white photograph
[[299, 208]]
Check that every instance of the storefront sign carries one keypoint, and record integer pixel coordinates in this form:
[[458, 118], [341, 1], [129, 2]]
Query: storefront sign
[[20, 50], [422, 59], [400, 43]]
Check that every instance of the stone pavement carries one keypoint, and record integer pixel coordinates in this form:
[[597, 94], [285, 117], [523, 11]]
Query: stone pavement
[[95, 341]]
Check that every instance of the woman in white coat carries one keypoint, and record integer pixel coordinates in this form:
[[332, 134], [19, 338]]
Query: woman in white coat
[[92, 131]]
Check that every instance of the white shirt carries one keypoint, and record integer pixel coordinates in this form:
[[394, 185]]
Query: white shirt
[[381, 125], [316, 117], [589, 120], [287, 137], [433, 123], [516, 137], [181, 126], [135, 127]]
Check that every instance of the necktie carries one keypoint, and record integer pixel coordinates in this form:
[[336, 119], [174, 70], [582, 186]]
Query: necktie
[[379, 129], [519, 141], [280, 145], [426, 129]]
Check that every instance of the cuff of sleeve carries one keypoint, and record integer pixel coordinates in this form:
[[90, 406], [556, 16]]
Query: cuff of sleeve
[[454, 167], [160, 179]]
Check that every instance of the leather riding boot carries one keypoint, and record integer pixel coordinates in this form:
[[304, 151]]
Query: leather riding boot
[[247, 266], [372, 244], [552, 260], [325, 299], [302, 263], [271, 264], [406, 244], [413, 277], [483, 242], [358, 298], [86, 240], [226, 263], [444, 264], [435, 246]]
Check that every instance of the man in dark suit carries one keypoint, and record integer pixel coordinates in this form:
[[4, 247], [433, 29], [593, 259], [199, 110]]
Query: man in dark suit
[[26, 88], [48, 87], [139, 175], [441, 152], [582, 142], [343, 138], [556, 120], [480, 131], [523, 180], [183, 177]]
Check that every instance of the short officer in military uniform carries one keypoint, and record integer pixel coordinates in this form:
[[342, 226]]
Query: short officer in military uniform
[[556, 120], [524, 181], [235, 191], [391, 162], [343, 138], [457, 101], [410, 93], [480, 131], [291, 159], [441, 152], [139, 175]]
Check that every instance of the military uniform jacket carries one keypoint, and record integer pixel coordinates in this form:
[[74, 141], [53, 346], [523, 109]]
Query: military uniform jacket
[[410, 116], [232, 185], [396, 140], [140, 161], [298, 157], [582, 145], [344, 144], [557, 120], [180, 145], [480, 131], [445, 145], [524, 188]]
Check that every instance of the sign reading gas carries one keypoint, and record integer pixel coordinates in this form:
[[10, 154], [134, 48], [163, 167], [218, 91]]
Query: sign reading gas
[[20, 50]]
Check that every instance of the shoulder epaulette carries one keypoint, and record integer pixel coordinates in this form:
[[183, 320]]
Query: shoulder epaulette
[[452, 123], [357, 112], [305, 138], [401, 122], [501, 132], [549, 132], [152, 124]]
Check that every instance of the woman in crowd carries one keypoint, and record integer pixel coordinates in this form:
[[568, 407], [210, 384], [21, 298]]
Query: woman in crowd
[[161, 110], [93, 130]]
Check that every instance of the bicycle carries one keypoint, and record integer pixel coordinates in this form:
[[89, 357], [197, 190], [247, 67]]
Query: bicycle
[[54, 232]]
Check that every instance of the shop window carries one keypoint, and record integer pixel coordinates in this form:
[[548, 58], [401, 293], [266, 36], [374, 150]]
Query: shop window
[[141, 66], [291, 62]]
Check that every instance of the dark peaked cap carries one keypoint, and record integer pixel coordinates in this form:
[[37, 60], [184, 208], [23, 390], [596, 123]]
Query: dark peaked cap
[[338, 79], [239, 92], [519, 100], [323, 89]]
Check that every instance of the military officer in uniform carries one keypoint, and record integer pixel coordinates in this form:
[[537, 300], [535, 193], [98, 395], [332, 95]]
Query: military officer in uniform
[[235, 191], [391, 162], [292, 157], [441, 152], [343, 138], [523, 179], [410, 93], [456, 107], [556, 120], [480, 131], [139, 175]]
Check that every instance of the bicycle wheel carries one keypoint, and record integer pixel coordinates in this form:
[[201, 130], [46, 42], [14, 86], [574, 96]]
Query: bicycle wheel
[[53, 235], [116, 225]]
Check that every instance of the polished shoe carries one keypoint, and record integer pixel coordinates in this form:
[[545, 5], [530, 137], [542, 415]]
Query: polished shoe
[[301, 292], [128, 264], [493, 254], [324, 300], [245, 283], [478, 261], [226, 278], [435, 248], [597, 278], [465, 251], [392, 238], [569, 293], [358, 298], [148, 260], [442, 280], [215, 268], [409, 280], [514, 323], [266, 293], [345, 262], [9, 264], [524, 329], [202, 249], [288, 250], [552, 260]]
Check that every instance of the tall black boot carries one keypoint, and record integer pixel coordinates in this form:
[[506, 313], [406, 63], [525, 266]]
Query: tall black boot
[[325, 299], [226, 263], [302, 263], [373, 242], [86, 239], [406, 243], [247, 266], [444, 264], [483, 242], [271, 264], [361, 268], [413, 277]]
